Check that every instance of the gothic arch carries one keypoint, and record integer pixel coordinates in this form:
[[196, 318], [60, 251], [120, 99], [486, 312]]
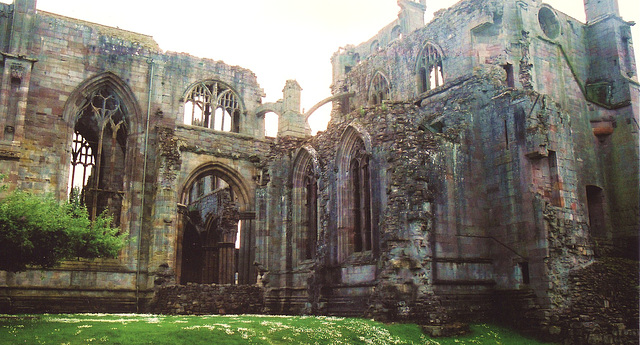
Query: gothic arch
[[230, 175], [101, 108], [78, 98], [304, 179], [379, 88], [214, 104], [215, 235], [354, 218], [429, 70]]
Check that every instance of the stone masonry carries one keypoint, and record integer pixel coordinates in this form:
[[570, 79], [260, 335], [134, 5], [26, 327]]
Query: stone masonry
[[480, 167]]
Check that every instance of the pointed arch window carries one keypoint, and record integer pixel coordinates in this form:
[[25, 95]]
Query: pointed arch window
[[356, 222], [98, 153], [359, 183], [430, 72], [305, 207], [379, 89], [212, 105]]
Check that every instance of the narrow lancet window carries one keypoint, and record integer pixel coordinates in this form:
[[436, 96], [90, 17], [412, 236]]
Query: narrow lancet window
[[305, 206]]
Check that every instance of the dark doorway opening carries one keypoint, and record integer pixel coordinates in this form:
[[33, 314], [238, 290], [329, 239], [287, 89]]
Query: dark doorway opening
[[595, 205]]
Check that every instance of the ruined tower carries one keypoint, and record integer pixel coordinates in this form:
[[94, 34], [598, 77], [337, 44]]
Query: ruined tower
[[612, 83]]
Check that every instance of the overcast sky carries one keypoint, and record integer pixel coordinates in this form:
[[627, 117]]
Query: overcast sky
[[276, 39]]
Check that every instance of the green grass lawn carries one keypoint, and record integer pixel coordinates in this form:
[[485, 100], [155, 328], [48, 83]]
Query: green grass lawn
[[245, 329]]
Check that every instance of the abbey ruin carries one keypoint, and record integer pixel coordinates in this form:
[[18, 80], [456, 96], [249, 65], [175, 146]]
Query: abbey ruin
[[481, 166]]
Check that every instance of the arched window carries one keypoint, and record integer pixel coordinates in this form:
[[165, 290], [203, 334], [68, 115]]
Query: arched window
[[361, 204], [379, 89], [98, 153], [396, 32], [430, 68], [305, 205], [375, 46], [212, 105], [354, 209]]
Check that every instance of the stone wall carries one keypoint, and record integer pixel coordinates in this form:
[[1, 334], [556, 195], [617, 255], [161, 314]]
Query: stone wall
[[603, 305], [201, 299]]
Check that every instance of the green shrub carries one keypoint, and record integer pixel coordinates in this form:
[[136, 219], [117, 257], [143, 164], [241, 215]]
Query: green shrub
[[40, 231]]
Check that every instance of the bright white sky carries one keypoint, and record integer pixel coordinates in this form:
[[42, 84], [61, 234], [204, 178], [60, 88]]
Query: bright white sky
[[276, 39]]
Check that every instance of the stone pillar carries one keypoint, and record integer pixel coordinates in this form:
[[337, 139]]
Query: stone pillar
[[292, 122], [16, 73], [24, 11]]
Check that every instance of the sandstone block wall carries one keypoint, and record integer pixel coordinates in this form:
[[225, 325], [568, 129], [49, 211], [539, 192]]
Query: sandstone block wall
[[207, 299]]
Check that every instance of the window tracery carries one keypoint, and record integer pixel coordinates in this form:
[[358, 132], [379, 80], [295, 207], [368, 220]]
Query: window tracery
[[212, 105], [98, 153], [430, 68], [379, 89]]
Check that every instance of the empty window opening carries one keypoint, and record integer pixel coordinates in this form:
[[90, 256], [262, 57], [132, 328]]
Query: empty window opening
[[508, 68], [271, 124], [212, 105], [347, 69], [595, 206], [379, 89], [98, 154], [430, 68], [360, 189]]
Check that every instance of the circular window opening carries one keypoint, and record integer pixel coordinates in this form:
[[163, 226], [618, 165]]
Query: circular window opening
[[549, 22]]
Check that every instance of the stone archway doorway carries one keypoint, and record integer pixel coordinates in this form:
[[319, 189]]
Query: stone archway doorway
[[215, 235]]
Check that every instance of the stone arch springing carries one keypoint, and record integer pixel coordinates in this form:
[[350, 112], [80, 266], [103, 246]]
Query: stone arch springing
[[429, 68], [379, 88], [304, 204], [215, 238], [101, 113], [213, 104], [355, 228]]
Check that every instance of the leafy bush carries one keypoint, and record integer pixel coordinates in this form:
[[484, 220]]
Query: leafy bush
[[40, 231]]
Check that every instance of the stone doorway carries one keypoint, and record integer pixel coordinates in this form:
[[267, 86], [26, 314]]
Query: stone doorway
[[210, 248]]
